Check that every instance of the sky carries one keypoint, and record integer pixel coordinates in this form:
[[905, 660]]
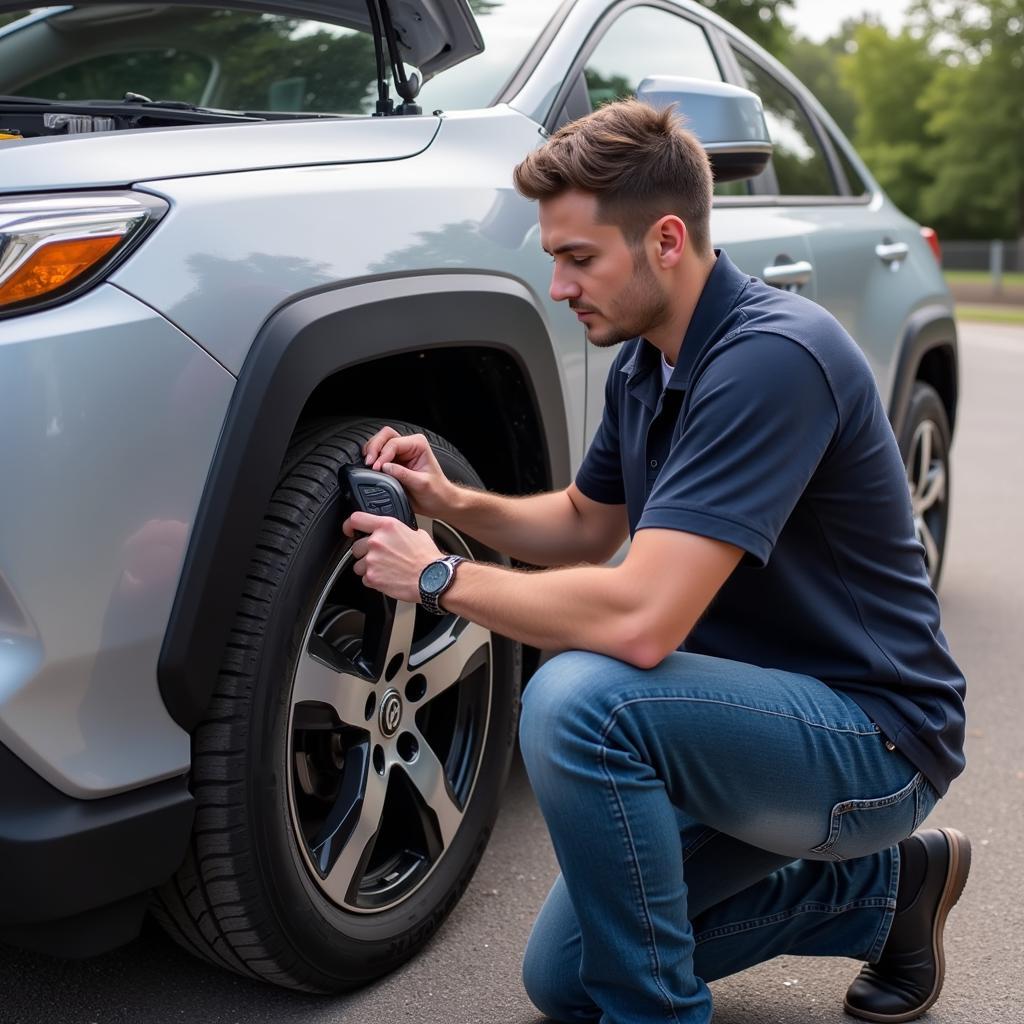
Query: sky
[[818, 19]]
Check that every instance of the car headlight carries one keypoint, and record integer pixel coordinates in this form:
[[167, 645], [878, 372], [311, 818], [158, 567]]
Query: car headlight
[[55, 246]]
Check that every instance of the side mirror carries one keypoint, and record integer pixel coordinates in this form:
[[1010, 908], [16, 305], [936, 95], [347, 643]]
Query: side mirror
[[729, 121]]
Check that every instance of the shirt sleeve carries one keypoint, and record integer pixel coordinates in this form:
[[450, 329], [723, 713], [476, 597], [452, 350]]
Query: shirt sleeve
[[600, 474], [759, 420]]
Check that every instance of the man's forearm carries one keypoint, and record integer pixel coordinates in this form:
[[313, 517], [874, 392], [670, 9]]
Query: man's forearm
[[580, 608], [540, 529]]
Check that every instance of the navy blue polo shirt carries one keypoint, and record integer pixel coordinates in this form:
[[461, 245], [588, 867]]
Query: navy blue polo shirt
[[771, 435]]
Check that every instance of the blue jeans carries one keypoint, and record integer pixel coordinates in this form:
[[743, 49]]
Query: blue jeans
[[707, 815]]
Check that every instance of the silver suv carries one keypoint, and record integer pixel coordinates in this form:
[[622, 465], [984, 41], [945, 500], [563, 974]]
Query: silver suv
[[234, 241]]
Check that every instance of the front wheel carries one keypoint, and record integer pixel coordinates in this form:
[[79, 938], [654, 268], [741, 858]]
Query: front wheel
[[348, 772]]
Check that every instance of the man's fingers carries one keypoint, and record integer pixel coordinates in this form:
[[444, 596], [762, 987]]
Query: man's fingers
[[364, 522], [402, 447], [372, 448]]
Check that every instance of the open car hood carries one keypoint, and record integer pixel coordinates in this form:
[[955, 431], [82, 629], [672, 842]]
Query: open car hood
[[432, 34]]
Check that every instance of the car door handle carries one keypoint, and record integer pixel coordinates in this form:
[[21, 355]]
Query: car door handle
[[891, 252], [791, 275]]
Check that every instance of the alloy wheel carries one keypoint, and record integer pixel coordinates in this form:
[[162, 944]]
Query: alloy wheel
[[388, 714]]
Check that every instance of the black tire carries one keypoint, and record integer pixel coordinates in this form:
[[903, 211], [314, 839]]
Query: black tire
[[249, 896], [926, 437]]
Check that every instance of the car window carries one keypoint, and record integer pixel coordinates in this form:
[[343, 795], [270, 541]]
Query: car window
[[246, 59], [647, 41], [797, 156], [237, 60], [158, 73], [858, 187]]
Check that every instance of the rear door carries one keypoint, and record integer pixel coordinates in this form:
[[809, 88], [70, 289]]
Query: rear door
[[862, 249]]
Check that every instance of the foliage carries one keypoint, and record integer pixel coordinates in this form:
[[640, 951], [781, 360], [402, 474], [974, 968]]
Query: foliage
[[817, 66], [975, 109], [887, 76], [759, 19]]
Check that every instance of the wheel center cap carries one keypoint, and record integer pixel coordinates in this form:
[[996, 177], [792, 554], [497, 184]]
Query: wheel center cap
[[390, 713]]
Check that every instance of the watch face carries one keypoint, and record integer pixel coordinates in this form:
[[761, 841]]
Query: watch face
[[434, 577]]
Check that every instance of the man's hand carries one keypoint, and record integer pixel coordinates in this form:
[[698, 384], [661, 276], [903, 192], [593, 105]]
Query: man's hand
[[391, 558], [410, 460]]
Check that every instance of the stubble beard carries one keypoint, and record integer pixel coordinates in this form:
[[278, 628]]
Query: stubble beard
[[640, 308]]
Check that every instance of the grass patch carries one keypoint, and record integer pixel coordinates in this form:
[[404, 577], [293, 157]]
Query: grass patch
[[981, 277], [991, 314]]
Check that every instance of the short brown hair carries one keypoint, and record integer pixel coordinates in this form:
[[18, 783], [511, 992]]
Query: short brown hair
[[639, 162]]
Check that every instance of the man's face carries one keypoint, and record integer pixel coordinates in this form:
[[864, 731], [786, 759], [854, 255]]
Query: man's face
[[610, 287]]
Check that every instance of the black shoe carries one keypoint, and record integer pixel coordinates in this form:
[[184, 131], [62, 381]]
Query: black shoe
[[908, 977]]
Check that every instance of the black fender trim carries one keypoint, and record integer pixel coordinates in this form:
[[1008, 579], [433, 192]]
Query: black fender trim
[[930, 327], [66, 858], [301, 345]]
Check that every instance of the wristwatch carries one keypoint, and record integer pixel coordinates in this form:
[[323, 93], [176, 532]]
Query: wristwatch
[[435, 579]]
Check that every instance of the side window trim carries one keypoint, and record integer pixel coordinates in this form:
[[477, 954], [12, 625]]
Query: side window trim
[[597, 34], [802, 107], [844, 193]]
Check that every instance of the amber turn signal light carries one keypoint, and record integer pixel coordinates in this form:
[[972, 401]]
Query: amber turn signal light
[[55, 246], [54, 265]]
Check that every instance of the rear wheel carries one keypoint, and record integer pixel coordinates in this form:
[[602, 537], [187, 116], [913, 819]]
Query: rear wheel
[[348, 772], [924, 445]]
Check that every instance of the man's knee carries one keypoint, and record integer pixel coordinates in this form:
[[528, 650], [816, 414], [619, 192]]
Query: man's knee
[[560, 702]]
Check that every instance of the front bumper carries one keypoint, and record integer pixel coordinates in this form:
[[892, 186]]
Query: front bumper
[[76, 873], [109, 417]]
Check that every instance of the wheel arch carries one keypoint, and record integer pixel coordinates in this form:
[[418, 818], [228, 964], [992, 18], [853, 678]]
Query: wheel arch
[[928, 353], [321, 350]]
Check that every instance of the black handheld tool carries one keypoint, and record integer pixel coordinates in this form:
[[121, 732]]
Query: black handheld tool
[[366, 490]]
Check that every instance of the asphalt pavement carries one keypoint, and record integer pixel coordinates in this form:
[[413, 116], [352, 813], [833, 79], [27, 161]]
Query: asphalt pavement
[[469, 973]]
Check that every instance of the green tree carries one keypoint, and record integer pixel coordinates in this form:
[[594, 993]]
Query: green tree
[[759, 19], [817, 66], [975, 110], [888, 77]]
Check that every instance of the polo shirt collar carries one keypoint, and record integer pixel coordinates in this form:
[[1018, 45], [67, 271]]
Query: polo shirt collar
[[717, 299]]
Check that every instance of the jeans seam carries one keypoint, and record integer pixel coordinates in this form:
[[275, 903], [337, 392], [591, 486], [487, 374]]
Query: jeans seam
[[652, 948], [734, 704], [868, 903], [874, 952]]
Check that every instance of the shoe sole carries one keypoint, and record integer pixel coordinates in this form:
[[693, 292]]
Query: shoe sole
[[956, 877]]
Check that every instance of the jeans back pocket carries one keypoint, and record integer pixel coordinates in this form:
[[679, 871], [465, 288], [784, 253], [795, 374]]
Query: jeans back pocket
[[860, 827]]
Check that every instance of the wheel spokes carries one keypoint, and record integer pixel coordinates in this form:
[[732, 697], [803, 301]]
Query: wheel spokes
[[923, 460], [933, 489], [317, 680], [343, 876], [451, 656], [348, 805], [400, 638], [427, 774]]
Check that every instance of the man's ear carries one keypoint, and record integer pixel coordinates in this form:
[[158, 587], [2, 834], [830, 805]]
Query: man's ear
[[670, 235]]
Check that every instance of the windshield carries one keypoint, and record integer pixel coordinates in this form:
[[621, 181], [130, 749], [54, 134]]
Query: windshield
[[241, 60]]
